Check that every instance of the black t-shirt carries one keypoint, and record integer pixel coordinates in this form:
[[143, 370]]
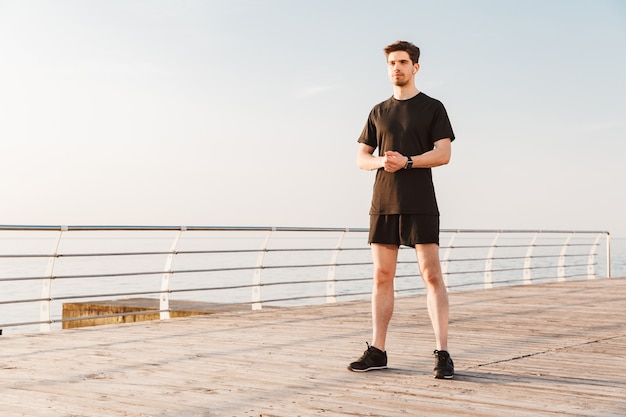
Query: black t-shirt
[[410, 127]]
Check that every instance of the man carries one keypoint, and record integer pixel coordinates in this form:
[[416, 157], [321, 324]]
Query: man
[[413, 134]]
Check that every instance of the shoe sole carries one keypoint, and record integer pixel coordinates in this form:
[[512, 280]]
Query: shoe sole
[[371, 368], [443, 376]]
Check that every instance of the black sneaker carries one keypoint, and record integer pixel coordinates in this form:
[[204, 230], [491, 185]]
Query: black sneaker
[[444, 367], [373, 358]]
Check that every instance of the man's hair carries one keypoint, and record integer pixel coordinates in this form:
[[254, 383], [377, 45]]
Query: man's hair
[[408, 47]]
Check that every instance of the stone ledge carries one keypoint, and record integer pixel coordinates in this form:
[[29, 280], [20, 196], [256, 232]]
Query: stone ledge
[[113, 310]]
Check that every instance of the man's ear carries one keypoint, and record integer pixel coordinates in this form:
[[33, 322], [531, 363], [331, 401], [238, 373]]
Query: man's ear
[[416, 67]]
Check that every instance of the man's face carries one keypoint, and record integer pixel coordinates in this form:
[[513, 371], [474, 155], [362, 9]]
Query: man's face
[[400, 67]]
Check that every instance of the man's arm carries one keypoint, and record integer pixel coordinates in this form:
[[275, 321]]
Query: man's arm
[[439, 155], [366, 160]]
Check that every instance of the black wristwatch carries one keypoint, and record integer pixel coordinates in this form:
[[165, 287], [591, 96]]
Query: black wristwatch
[[409, 163]]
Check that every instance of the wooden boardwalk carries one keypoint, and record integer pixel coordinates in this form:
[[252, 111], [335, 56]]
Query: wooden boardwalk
[[541, 350]]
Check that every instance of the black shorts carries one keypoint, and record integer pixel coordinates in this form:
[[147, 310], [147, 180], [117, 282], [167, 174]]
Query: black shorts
[[404, 229]]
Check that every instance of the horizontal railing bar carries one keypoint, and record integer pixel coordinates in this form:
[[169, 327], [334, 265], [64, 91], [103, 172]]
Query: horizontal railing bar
[[83, 297], [267, 284], [26, 323], [22, 301], [517, 269], [163, 253], [279, 250], [267, 228], [236, 287], [84, 255], [91, 296], [508, 258], [482, 284], [522, 231], [248, 268], [231, 287], [354, 294], [555, 245], [139, 273], [178, 228], [481, 271], [79, 297], [521, 281], [90, 276], [535, 245]]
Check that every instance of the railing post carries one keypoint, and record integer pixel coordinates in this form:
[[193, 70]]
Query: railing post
[[46, 290], [445, 261], [527, 261], [489, 263], [164, 304], [256, 278], [591, 263], [561, 267], [608, 255], [331, 292]]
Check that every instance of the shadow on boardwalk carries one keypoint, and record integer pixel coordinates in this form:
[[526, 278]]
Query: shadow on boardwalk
[[540, 350]]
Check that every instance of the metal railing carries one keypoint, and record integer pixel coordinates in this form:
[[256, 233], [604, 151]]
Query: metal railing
[[43, 267]]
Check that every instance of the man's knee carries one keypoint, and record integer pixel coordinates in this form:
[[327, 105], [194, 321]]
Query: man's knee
[[384, 274], [433, 278]]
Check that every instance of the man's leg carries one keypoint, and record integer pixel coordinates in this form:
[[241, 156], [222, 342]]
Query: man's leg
[[384, 258], [437, 293], [437, 300]]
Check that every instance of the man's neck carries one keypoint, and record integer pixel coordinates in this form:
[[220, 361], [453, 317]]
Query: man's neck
[[406, 92]]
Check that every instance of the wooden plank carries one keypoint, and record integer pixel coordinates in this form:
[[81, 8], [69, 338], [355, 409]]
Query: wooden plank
[[540, 350]]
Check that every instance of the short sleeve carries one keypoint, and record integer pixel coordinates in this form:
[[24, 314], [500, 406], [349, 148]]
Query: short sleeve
[[369, 135], [441, 127]]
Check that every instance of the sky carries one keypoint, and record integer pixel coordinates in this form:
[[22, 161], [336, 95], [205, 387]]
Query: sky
[[247, 113]]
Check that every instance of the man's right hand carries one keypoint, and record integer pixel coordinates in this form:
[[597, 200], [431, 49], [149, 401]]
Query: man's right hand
[[394, 161]]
